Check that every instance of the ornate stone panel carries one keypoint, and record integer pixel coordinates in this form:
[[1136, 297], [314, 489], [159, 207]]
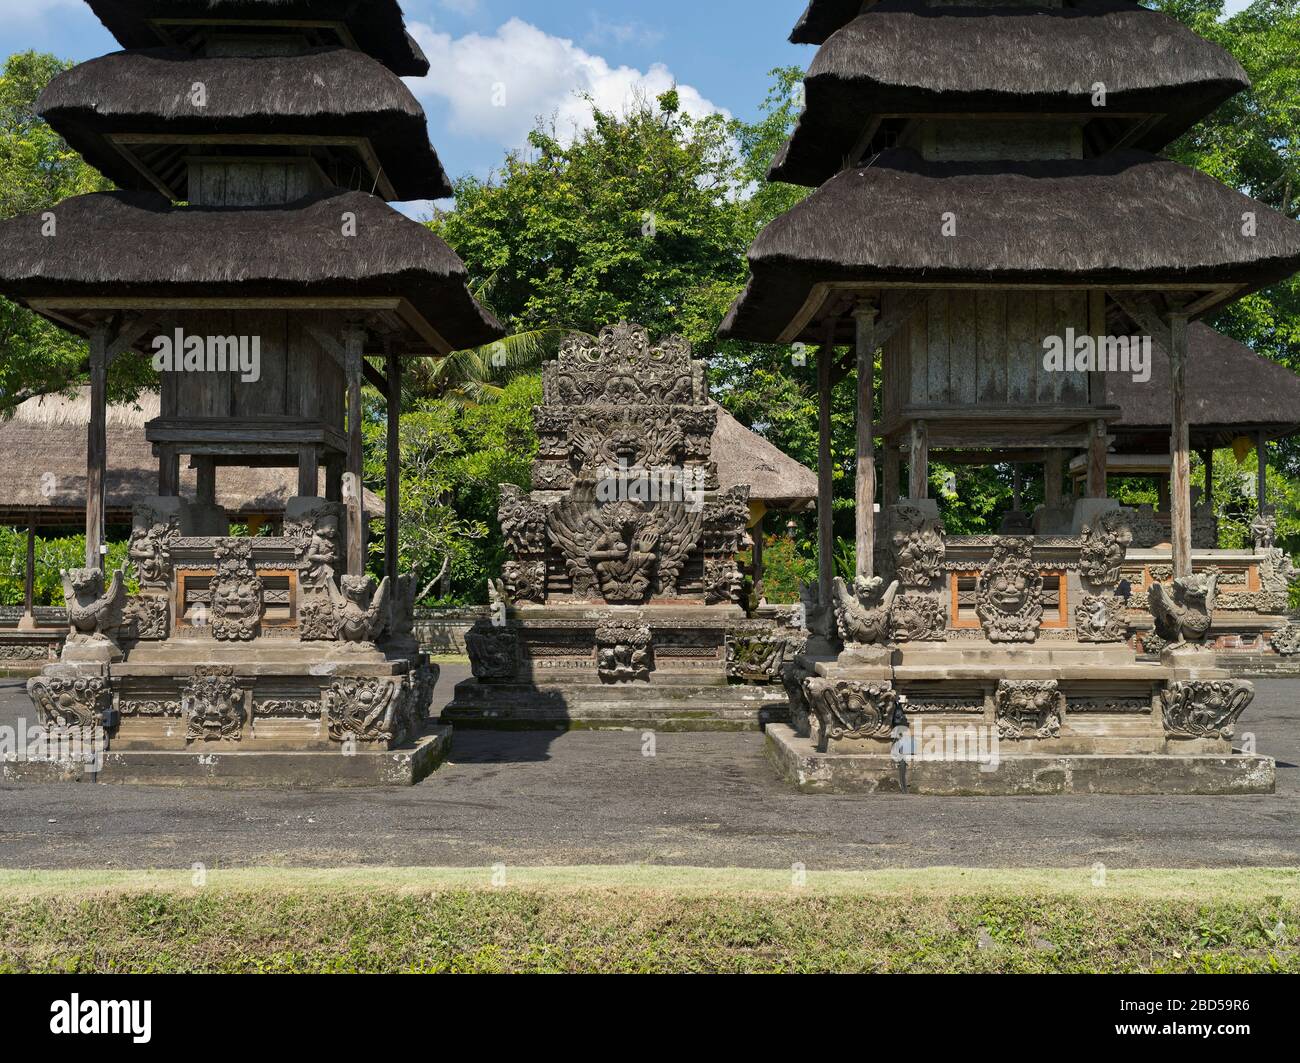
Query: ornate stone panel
[[1101, 618], [918, 546], [623, 650], [850, 708], [1028, 708], [1009, 593], [213, 706], [70, 701], [1205, 708], [236, 611]]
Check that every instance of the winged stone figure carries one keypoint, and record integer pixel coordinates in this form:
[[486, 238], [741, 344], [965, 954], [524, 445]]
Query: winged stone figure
[[92, 612]]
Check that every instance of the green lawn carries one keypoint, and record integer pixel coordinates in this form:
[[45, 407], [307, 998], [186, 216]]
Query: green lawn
[[650, 919]]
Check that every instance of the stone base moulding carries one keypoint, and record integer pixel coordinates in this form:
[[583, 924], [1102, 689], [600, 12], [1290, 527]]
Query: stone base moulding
[[249, 769], [799, 762]]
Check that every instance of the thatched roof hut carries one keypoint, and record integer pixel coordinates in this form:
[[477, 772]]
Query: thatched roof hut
[[139, 244], [824, 17], [1231, 392], [132, 115], [44, 478], [775, 479], [909, 58], [1127, 218], [373, 26]]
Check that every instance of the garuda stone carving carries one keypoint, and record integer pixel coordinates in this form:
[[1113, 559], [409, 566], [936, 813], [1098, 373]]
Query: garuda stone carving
[[1184, 610], [1105, 542], [236, 592], [862, 614], [153, 534], [623, 650], [624, 551], [1101, 618], [93, 614], [918, 546], [1009, 593], [524, 581], [67, 701], [850, 708], [1028, 708], [363, 612], [1205, 708], [213, 708]]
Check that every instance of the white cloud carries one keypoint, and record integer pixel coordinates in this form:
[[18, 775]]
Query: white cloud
[[497, 86]]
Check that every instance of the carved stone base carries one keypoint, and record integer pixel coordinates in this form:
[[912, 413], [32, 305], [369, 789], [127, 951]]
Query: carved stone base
[[798, 761], [221, 766]]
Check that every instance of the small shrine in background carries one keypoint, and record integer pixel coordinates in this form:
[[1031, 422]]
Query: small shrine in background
[[248, 255], [623, 582], [986, 195]]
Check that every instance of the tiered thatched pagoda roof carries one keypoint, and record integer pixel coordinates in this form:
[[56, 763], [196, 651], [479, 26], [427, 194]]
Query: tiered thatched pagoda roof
[[371, 26], [1231, 392], [910, 58], [333, 99], [1123, 219], [744, 457], [138, 244]]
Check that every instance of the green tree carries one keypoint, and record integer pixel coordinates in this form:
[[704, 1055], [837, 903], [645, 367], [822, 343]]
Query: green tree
[[637, 217]]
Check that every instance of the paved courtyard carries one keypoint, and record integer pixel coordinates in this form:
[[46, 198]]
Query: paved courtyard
[[593, 798]]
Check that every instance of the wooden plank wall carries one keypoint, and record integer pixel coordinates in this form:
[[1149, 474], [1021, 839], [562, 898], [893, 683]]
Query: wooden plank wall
[[967, 348]]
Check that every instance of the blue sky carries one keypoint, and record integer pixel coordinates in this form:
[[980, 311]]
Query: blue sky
[[538, 52], [498, 64]]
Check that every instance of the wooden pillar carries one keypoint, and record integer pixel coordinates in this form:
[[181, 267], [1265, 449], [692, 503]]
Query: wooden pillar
[[1053, 478], [1261, 484], [891, 490], [864, 315], [393, 466], [1162, 492], [96, 447], [169, 472], [1017, 488], [207, 480], [918, 462], [825, 471], [28, 620], [308, 472], [1097, 460], [1180, 447], [353, 493], [334, 478], [756, 566], [1207, 459]]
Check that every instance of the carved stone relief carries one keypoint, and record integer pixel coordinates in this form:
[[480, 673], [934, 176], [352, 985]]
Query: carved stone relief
[[1009, 593], [1205, 708], [70, 701], [1028, 708], [623, 650], [236, 610], [850, 708]]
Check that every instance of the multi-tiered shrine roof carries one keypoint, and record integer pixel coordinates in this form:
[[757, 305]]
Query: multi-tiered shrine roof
[[904, 59], [116, 247], [132, 115], [1129, 218], [375, 27]]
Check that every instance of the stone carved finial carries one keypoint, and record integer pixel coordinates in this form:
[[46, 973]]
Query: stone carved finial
[[1205, 708], [1263, 530], [1009, 593], [1105, 542], [622, 367], [153, 534], [862, 614], [918, 546], [1184, 610]]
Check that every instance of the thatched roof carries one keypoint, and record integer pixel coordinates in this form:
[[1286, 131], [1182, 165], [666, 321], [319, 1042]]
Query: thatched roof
[[1231, 391], [375, 26], [45, 474], [139, 244], [745, 457], [1127, 218], [904, 57], [326, 92], [824, 17]]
